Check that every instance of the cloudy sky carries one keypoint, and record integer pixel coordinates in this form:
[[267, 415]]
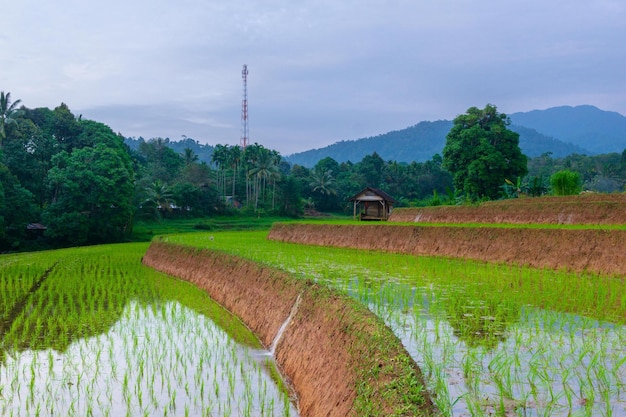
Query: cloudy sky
[[320, 71]]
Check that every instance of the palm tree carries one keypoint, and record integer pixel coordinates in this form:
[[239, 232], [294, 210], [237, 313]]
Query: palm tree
[[233, 159], [264, 168], [323, 182], [219, 158], [160, 196], [190, 156], [8, 112]]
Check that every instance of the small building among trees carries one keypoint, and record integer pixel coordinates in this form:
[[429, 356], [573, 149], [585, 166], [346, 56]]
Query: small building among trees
[[372, 204]]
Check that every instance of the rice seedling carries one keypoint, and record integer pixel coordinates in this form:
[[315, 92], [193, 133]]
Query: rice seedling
[[103, 335], [489, 338]]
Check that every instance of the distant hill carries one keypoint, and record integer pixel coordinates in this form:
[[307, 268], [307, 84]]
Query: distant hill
[[585, 126], [534, 144], [204, 152], [420, 142], [415, 143], [561, 130]]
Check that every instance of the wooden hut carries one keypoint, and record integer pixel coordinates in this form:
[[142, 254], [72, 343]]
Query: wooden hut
[[372, 204]]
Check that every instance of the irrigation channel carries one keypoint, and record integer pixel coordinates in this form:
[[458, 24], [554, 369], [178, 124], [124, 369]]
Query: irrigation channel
[[490, 339], [102, 335]]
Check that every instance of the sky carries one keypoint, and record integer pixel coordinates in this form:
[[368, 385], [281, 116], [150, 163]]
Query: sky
[[320, 71]]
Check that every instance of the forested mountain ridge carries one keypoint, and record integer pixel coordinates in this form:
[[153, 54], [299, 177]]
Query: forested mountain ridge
[[561, 131], [586, 126], [420, 142]]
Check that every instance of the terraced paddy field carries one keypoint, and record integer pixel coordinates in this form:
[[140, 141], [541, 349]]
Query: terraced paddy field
[[491, 336], [93, 332], [607, 209]]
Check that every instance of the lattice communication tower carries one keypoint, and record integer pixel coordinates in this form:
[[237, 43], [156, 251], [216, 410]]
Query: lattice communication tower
[[244, 108]]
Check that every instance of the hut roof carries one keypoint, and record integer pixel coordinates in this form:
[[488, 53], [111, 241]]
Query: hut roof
[[369, 191]]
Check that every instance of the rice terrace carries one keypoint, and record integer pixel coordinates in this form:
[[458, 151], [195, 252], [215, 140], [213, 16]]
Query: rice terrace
[[514, 308]]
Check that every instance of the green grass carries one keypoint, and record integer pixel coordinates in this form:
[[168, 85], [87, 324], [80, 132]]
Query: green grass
[[352, 222], [145, 230]]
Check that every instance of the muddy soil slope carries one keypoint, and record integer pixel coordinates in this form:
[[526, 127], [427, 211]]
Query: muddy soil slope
[[580, 209], [332, 345], [597, 251]]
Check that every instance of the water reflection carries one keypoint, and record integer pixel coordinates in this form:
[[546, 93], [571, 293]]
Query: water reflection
[[157, 359], [480, 322], [485, 353]]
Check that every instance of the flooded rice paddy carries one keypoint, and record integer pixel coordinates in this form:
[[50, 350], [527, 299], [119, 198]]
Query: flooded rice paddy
[[490, 339], [102, 335]]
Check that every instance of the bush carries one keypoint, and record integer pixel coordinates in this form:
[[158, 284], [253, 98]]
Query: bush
[[566, 183]]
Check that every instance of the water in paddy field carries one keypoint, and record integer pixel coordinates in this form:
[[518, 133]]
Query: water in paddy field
[[161, 360], [484, 359]]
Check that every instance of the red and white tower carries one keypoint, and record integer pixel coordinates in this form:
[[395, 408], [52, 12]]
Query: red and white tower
[[244, 109]]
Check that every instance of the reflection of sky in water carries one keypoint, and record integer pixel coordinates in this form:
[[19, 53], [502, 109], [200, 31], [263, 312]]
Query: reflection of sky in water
[[166, 360], [535, 362]]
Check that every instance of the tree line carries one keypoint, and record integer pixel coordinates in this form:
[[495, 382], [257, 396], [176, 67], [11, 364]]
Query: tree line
[[67, 181]]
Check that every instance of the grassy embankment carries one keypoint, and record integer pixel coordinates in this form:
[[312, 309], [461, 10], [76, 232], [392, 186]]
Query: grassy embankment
[[341, 358]]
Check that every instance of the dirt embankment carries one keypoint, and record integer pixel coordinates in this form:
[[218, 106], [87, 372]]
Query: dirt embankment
[[580, 209], [332, 346], [598, 251]]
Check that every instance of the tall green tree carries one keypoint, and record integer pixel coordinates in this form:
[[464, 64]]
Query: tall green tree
[[162, 162], [189, 156], [8, 113], [159, 197], [17, 209], [371, 169], [264, 168], [92, 196], [481, 152], [233, 158], [323, 189], [66, 127]]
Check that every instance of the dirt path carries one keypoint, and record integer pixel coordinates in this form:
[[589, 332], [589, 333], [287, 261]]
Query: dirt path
[[597, 251], [332, 345]]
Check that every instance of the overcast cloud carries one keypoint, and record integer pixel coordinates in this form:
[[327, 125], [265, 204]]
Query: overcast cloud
[[320, 71]]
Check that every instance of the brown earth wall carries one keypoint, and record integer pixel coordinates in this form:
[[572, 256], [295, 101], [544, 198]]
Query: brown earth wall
[[581, 209], [597, 251], [319, 351]]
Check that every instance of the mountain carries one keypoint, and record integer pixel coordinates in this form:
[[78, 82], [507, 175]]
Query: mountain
[[585, 126], [533, 143], [415, 143], [420, 142], [560, 130]]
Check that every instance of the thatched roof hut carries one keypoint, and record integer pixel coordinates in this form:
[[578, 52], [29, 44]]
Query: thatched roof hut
[[372, 204]]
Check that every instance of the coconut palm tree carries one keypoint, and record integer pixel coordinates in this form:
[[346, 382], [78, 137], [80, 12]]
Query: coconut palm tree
[[8, 112], [219, 158], [323, 182], [189, 156], [160, 197], [264, 168], [234, 160]]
